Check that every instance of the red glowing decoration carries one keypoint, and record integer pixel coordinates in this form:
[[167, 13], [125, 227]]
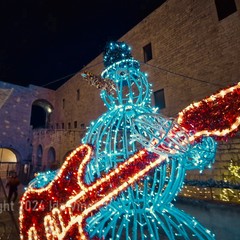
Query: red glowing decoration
[[217, 116], [60, 210]]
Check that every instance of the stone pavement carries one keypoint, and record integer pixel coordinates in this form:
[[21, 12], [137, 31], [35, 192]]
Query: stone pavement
[[220, 218], [9, 213]]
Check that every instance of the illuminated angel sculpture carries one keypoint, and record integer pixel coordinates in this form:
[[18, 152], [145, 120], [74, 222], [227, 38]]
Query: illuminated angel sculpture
[[123, 187]]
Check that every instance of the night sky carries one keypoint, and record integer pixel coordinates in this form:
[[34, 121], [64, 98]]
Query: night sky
[[42, 41]]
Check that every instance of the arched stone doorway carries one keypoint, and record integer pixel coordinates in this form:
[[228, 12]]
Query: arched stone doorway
[[8, 162], [40, 115]]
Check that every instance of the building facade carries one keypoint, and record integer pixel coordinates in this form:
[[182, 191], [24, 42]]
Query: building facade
[[17, 110], [189, 49]]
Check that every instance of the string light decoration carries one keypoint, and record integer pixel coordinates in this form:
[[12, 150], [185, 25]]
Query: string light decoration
[[202, 118], [159, 134], [235, 170], [235, 173], [98, 82], [42, 179], [116, 52], [125, 190]]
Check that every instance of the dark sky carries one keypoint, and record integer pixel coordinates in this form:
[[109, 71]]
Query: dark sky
[[45, 40]]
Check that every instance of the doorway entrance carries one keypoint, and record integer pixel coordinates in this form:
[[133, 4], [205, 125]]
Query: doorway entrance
[[8, 162]]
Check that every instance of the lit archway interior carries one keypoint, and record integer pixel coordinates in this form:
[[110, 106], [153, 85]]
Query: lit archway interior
[[6, 155], [8, 161]]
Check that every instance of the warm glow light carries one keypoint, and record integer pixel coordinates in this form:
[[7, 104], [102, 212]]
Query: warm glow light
[[234, 172]]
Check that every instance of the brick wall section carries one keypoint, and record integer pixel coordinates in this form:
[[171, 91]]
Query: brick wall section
[[227, 152], [89, 106], [188, 39]]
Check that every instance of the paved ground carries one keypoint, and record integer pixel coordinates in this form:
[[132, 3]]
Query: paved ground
[[221, 219], [8, 229]]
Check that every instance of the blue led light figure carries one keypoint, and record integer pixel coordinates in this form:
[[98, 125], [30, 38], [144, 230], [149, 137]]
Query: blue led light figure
[[144, 211], [42, 179]]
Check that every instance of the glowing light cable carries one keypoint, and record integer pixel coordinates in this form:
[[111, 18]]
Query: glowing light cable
[[59, 221]]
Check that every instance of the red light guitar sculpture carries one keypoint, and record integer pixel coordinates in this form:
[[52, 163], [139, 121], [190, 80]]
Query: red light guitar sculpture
[[59, 210]]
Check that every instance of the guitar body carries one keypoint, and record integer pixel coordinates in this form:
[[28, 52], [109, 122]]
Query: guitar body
[[59, 210]]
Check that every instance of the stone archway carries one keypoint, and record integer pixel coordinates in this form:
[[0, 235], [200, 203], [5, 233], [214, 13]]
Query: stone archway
[[40, 114]]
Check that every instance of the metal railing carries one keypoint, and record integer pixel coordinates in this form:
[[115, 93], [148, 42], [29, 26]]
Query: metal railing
[[7, 167]]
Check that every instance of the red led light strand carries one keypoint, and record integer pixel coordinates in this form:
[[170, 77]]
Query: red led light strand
[[61, 221], [217, 116]]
